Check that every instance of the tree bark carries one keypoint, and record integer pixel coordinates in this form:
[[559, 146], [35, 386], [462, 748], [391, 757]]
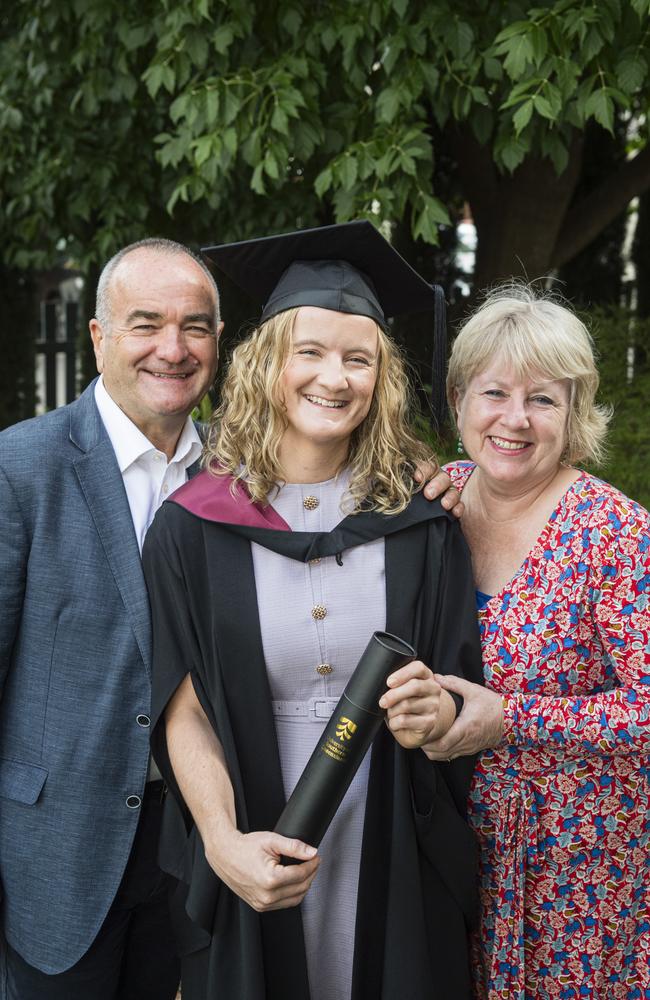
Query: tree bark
[[518, 216], [585, 220]]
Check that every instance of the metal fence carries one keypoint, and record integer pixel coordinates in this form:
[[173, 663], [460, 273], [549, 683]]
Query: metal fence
[[56, 355]]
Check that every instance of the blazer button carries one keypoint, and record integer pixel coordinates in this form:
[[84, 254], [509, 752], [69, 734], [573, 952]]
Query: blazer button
[[143, 720], [133, 801]]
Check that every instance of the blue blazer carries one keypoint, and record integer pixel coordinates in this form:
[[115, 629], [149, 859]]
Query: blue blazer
[[75, 665]]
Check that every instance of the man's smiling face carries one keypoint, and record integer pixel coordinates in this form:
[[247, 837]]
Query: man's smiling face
[[160, 354]]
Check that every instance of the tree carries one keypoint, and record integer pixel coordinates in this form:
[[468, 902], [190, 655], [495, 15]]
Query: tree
[[216, 119]]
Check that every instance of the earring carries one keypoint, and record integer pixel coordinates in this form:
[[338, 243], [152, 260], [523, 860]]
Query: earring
[[459, 446]]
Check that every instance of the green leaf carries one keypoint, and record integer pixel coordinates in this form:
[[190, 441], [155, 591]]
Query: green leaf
[[400, 7], [196, 46], [511, 150], [519, 54], [329, 39], [230, 108], [388, 104], [347, 171], [257, 181], [430, 215], [280, 120], [222, 38], [642, 7], [230, 140], [153, 78], [202, 149], [271, 165], [179, 107], [323, 182], [513, 31], [291, 21], [631, 72], [543, 107], [211, 105], [482, 122], [601, 107], [522, 116], [459, 36], [539, 44], [430, 75], [493, 68]]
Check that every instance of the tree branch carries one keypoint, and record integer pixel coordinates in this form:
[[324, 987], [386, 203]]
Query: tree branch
[[596, 210]]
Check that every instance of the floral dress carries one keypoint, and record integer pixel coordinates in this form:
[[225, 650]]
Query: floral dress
[[562, 807]]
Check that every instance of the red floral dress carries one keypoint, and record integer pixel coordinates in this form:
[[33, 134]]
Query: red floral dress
[[562, 807]]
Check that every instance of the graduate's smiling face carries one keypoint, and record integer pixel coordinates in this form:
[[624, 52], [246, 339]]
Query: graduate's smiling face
[[329, 380]]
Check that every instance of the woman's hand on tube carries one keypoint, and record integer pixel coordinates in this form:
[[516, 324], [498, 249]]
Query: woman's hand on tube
[[479, 725], [417, 708], [251, 865]]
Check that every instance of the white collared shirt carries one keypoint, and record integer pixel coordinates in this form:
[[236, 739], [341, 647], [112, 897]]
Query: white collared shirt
[[147, 475]]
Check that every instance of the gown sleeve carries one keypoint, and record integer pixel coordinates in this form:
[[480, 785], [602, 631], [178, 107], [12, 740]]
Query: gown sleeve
[[440, 790], [175, 643], [617, 720]]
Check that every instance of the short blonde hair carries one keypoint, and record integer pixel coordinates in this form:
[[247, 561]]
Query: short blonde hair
[[247, 427], [535, 334]]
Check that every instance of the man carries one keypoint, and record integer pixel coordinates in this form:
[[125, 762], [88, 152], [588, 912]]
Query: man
[[85, 910]]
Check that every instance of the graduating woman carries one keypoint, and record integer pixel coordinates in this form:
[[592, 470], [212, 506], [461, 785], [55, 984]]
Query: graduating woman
[[268, 573]]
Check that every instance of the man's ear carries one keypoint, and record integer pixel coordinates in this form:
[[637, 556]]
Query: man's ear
[[97, 337]]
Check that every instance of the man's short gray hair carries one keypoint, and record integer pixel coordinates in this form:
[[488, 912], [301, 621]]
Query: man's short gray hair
[[102, 301]]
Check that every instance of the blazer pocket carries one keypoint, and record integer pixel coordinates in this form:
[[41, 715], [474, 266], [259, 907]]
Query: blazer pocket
[[20, 781]]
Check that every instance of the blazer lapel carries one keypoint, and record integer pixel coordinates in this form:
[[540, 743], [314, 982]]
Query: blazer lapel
[[103, 489]]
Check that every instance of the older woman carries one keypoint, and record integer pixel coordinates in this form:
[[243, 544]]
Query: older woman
[[560, 798], [268, 573]]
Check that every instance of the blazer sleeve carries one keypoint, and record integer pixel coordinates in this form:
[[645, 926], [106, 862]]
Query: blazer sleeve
[[14, 553]]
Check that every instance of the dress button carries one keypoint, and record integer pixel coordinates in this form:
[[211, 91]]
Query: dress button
[[133, 801], [314, 562], [143, 720], [318, 612], [324, 668], [310, 503]]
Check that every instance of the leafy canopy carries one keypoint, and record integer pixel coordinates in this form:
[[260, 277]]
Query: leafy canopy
[[216, 119]]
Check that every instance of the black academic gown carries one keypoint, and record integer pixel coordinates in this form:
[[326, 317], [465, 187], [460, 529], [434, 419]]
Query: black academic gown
[[418, 882]]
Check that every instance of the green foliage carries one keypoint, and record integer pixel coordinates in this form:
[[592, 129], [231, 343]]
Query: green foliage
[[615, 331], [219, 118]]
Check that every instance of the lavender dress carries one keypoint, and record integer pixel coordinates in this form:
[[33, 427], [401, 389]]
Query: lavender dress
[[316, 620]]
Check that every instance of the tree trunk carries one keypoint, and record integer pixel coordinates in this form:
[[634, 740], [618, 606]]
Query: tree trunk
[[518, 216], [529, 222]]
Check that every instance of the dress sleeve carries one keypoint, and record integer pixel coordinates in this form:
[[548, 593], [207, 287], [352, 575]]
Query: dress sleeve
[[617, 720], [13, 559]]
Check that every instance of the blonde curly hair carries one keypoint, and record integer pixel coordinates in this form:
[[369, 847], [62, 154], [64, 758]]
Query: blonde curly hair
[[247, 427]]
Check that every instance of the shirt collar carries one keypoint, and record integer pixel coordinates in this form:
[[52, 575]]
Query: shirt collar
[[130, 444]]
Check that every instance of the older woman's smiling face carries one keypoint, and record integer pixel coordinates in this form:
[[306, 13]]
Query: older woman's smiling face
[[514, 428]]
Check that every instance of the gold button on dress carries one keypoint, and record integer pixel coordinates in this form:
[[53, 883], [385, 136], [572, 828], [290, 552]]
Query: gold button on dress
[[310, 503], [318, 612]]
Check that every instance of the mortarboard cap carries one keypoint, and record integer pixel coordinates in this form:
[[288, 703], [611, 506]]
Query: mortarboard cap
[[348, 267]]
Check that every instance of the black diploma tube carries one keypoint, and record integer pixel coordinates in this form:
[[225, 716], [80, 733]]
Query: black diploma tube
[[343, 745]]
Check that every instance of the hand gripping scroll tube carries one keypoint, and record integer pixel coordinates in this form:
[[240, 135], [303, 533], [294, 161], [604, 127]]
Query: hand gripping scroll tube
[[343, 745]]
